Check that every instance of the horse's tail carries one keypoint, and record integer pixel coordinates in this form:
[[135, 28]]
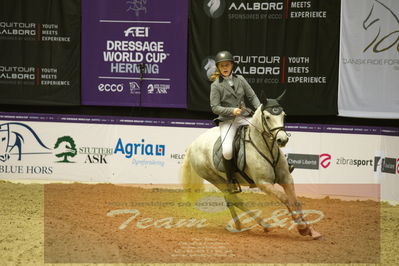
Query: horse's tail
[[192, 183]]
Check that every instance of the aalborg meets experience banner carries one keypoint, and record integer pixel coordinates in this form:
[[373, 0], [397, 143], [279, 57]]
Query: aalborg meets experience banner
[[277, 45]]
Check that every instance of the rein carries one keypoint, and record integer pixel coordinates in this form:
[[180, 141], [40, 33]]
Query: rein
[[269, 133]]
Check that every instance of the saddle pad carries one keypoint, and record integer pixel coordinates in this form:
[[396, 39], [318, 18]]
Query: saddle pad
[[238, 151]]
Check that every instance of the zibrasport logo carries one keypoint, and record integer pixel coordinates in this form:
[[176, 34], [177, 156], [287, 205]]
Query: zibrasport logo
[[325, 160], [110, 87]]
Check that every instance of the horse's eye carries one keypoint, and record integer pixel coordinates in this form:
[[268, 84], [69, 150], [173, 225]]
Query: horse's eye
[[268, 117]]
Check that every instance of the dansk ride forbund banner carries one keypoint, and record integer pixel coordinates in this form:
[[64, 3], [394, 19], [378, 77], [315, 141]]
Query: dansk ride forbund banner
[[369, 59], [277, 45], [134, 53], [40, 52]]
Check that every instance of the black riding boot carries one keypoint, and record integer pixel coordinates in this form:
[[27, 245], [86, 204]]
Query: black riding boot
[[232, 185]]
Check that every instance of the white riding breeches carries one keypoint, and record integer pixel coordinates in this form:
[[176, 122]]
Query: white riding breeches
[[228, 130]]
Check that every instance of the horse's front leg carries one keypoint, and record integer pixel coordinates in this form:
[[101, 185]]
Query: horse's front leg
[[295, 208], [290, 201]]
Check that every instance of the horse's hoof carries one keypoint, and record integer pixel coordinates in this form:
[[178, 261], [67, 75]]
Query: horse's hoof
[[266, 230], [305, 231], [315, 235]]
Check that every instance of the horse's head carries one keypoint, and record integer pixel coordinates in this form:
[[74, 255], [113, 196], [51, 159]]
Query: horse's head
[[272, 120]]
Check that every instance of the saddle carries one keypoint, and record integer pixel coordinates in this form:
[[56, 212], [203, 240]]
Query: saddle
[[239, 157]]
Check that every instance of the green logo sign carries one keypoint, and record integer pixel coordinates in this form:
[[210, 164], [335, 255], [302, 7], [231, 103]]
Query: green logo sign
[[65, 146]]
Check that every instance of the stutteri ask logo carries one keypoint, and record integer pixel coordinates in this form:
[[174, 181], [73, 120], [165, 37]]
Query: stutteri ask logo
[[65, 147], [383, 22], [214, 8]]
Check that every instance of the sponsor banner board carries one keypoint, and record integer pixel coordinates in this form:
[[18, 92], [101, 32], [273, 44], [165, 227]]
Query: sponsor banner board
[[139, 52], [40, 52], [369, 59], [277, 45], [142, 151]]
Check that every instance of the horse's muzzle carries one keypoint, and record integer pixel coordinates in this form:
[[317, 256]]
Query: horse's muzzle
[[282, 142], [282, 138]]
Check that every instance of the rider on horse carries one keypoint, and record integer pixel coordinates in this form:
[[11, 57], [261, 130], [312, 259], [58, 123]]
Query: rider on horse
[[228, 92]]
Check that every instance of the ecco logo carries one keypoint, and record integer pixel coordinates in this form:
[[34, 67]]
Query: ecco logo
[[325, 160], [110, 87], [137, 31]]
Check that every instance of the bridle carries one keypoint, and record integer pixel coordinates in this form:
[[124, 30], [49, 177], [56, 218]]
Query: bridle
[[267, 132]]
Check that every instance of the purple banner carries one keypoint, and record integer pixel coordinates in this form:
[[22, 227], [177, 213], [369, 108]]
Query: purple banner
[[134, 53]]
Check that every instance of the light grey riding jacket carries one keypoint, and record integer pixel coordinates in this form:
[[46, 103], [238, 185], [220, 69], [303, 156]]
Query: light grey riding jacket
[[224, 99]]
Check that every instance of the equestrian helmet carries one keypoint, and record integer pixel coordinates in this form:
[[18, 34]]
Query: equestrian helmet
[[224, 56]]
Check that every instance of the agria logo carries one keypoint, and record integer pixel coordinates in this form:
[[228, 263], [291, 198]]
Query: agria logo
[[214, 8], [18, 139], [139, 148]]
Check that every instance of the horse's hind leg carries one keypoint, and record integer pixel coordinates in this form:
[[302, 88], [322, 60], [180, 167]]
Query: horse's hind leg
[[231, 206], [240, 204]]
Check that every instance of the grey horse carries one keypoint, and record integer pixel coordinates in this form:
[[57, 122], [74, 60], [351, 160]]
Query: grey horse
[[265, 164]]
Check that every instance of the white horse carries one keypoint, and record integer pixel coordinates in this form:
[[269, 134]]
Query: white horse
[[265, 164]]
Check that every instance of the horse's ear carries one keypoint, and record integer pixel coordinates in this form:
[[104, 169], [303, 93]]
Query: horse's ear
[[262, 96], [264, 104], [263, 100], [281, 96]]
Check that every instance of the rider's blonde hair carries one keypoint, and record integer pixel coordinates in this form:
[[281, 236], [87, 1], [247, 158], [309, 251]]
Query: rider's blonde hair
[[215, 75]]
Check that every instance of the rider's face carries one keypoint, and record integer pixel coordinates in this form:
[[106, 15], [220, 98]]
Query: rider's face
[[225, 68]]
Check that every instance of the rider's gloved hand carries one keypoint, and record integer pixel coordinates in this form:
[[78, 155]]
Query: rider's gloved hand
[[237, 111]]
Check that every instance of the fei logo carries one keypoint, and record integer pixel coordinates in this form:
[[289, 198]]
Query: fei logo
[[325, 160], [383, 23], [214, 8], [141, 148], [14, 136], [137, 32]]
